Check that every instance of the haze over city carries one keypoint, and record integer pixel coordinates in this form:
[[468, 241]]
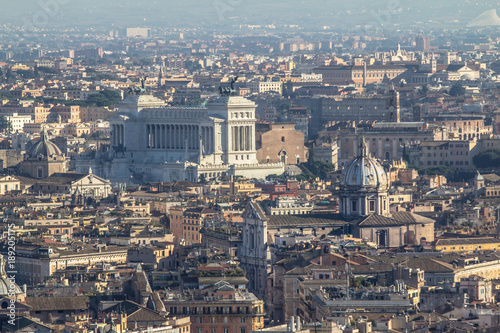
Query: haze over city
[[230, 166], [225, 13]]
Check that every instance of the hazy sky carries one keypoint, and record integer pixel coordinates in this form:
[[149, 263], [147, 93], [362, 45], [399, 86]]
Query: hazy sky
[[190, 13]]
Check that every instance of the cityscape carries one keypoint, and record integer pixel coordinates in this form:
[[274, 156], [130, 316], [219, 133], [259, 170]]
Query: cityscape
[[228, 166]]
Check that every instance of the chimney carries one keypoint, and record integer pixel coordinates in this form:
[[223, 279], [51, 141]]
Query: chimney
[[292, 323]]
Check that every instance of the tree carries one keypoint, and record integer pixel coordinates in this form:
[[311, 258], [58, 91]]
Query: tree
[[487, 159], [5, 125], [112, 95], [437, 170], [457, 90], [104, 98], [26, 74], [99, 100], [319, 168], [47, 70]]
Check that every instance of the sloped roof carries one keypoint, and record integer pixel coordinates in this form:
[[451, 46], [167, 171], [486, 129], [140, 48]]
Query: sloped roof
[[68, 178], [375, 220], [141, 282], [371, 269], [491, 177], [58, 303], [396, 219], [430, 265], [158, 303], [23, 322], [408, 217], [144, 314], [305, 220], [467, 241], [298, 271]]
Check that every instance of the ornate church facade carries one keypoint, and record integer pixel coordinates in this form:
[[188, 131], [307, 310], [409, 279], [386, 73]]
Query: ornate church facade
[[156, 142], [255, 257]]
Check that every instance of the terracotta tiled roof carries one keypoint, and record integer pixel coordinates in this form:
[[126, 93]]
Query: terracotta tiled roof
[[408, 217], [305, 220], [375, 220], [58, 303], [397, 219], [467, 241], [23, 322], [143, 314]]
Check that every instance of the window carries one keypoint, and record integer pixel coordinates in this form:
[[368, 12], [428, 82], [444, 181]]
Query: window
[[354, 205], [242, 320], [242, 330], [372, 205], [282, 139]]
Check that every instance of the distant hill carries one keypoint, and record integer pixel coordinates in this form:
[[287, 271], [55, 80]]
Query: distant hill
[[488, 18], [309, 13]]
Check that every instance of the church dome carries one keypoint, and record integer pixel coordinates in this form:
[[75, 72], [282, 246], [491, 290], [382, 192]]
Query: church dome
[[44, 147], [365, 171]]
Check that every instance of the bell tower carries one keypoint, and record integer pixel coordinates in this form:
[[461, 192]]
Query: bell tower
[[392, 113]]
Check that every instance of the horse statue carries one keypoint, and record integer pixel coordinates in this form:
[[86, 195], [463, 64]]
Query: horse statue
[[139, 90], [229, 91]]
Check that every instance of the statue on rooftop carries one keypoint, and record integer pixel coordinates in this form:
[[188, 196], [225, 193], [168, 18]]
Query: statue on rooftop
[[229, 91], [139, 90]]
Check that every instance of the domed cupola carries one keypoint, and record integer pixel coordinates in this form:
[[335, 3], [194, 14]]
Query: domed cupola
[[364, 186], [44, 159], [44, 148], [365, 171]]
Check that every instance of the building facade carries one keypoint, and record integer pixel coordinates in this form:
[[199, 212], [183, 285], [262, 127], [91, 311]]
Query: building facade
[[162, 143], [281, 143], [255, 257], [219, 309]]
